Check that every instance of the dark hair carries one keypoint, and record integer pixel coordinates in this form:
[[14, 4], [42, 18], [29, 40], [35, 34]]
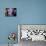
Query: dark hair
[[13, 12]]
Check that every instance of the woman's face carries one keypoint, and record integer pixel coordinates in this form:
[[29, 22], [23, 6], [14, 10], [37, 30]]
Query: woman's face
[[10, 11]]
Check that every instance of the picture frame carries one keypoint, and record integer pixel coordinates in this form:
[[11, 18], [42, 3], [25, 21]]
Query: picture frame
[[10, 12]]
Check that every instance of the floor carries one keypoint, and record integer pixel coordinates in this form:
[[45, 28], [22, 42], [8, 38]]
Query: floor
[[7, 45], [30, 43]]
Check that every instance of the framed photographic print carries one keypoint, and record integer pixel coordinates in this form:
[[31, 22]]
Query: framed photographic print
[[10, 12]]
